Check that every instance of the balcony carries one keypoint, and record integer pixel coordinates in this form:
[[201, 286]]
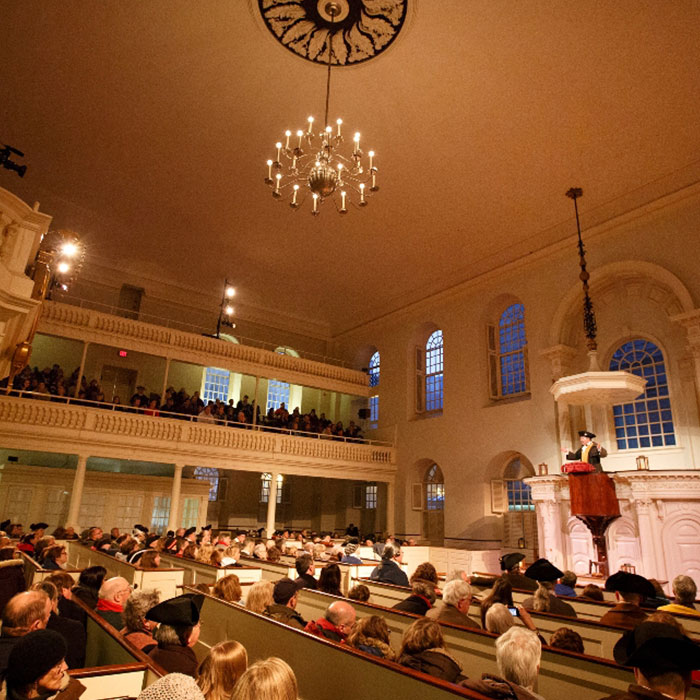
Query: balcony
[[105, 430]]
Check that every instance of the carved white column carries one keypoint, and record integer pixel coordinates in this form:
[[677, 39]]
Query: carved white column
[[76, 495], [561, 358], [645, 512], [390, 507], [175, 498], [547, 497], [272, 505]]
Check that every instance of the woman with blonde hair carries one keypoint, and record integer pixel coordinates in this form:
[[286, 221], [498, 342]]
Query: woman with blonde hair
[[371, 635], [217, 556], [223, 666], [260, 596], [270, 679], [204, 553], [228, 588]]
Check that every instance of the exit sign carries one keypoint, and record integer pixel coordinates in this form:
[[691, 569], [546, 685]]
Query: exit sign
[[123, 353]]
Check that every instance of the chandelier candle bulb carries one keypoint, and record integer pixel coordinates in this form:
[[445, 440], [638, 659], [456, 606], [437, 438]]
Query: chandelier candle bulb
[[278, 177], [374, 180], [339, 122], [269, 170], [311, 124], [294, 163], [278, 146], [357, 142], [294, 198], [315, 210], [371, 158], [287, 133], [362, 193], [300, 134], [342, 202]]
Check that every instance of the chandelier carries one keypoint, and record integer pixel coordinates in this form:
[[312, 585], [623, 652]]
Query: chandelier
[[320, 163]]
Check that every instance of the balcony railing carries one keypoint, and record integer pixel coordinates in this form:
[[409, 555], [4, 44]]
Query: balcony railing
[[57, 424]]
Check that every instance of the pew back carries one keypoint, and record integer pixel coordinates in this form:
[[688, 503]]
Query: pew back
[[198, 572], [33, 573]]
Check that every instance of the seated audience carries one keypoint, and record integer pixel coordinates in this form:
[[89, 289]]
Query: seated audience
[[273, 554], [72, 632], [566, 585], [66, 606], [685, 592], [304, 565], [510, 566], [138, 630], [228, 588], [544, 600], [260, 551], [566, 638], [501, 592], [177, 633], [37, 669], [41, 546], [329, 580], [270, 679], [225, 663], [283, 607], [630, 591], [88, 586], [260, 596], [336, 624], [173, 686], [24, 613], [389, 570], [421, 599], [659, 599], [114, 592], [349, 554], [231, 555], [499, 619], [359, 592], [454, 607], [11, 575], [371, 635], [55, 558], [663, 660], [592, 592], [518, 653], [150, 559], [423, 649]]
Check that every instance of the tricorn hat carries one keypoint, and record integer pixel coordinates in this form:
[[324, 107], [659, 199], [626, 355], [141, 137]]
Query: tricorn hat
[[625, 582], [206, 527], [543, 570], [141, 528], [5, 524], [38, 526], [659, 647], [190, 531], [586, 433], [180, 611], [33, 656], [508, 561]]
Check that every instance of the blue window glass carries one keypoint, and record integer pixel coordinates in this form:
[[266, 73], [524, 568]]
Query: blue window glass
[[277, 393], [512, 341], [519, 496], [374, 369], [433, 372], [373, 411], [434, 489], [212, 476], [215, 384], [647, 421]]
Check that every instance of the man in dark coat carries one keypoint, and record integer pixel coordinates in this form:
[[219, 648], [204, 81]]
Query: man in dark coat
[[663, 660], [389, 570], [177, 633], [510, 566], [454, 608], [545, 573], [630, 592], [421, 599], [304, 565], [285, 595], [589, 451], [11, 578]]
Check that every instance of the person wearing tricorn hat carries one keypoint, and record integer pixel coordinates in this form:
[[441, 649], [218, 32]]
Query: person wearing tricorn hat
[[177, 633], [663, 660], [38, 528], [630, 592], [510, 566], [544, 600], [589, 451]]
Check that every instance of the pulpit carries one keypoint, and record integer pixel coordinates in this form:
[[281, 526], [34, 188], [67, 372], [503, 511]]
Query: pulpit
[[594, 502]]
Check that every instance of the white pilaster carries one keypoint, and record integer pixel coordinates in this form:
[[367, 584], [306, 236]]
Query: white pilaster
[[76, 495], [175, 498], [390, 507], [272, 505]]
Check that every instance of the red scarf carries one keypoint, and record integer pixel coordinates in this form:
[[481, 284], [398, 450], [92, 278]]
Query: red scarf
[[428, 603], [103, 604]]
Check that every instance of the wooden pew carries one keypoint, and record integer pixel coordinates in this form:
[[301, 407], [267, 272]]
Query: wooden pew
[[164, 579], [354, 673], [199, 572], [33, 573], [562, 673], [113, 667]]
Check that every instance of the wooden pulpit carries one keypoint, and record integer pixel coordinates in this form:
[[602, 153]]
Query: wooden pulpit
[[594, 502]]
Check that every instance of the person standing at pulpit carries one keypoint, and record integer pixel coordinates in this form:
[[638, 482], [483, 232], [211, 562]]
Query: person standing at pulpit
[[590, 452]]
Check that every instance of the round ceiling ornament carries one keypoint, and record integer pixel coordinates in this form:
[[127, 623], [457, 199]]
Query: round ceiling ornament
[[357, 32]]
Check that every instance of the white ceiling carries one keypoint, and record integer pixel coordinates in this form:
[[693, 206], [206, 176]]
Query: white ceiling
[[146, 125]]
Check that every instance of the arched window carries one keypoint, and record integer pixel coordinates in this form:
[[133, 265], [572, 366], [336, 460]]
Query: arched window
[[434, 485], [212, 476], [647, 421], [518, 492], [507, 346], [433, 372], [374, 369]]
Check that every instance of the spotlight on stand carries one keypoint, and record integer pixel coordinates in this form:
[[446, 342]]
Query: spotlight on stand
[[226, 310], [5, 153]]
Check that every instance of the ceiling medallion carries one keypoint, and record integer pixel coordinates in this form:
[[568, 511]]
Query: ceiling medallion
[[361, 30]]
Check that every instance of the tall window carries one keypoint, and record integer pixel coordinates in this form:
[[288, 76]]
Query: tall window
[[277, 393], [215, 384], [518, 492], [190, 511], [371, 496], [647, 421], [373, 411], [266, 482], [507, 347], [212, 476], [374, 369], [161, 512], [433, 372], [434, 489]]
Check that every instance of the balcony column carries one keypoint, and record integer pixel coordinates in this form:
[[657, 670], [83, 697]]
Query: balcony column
[[165, 380], [272, 505], [81, 371], [76, 495], [175, 498], [255, 401], [390, 507]]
